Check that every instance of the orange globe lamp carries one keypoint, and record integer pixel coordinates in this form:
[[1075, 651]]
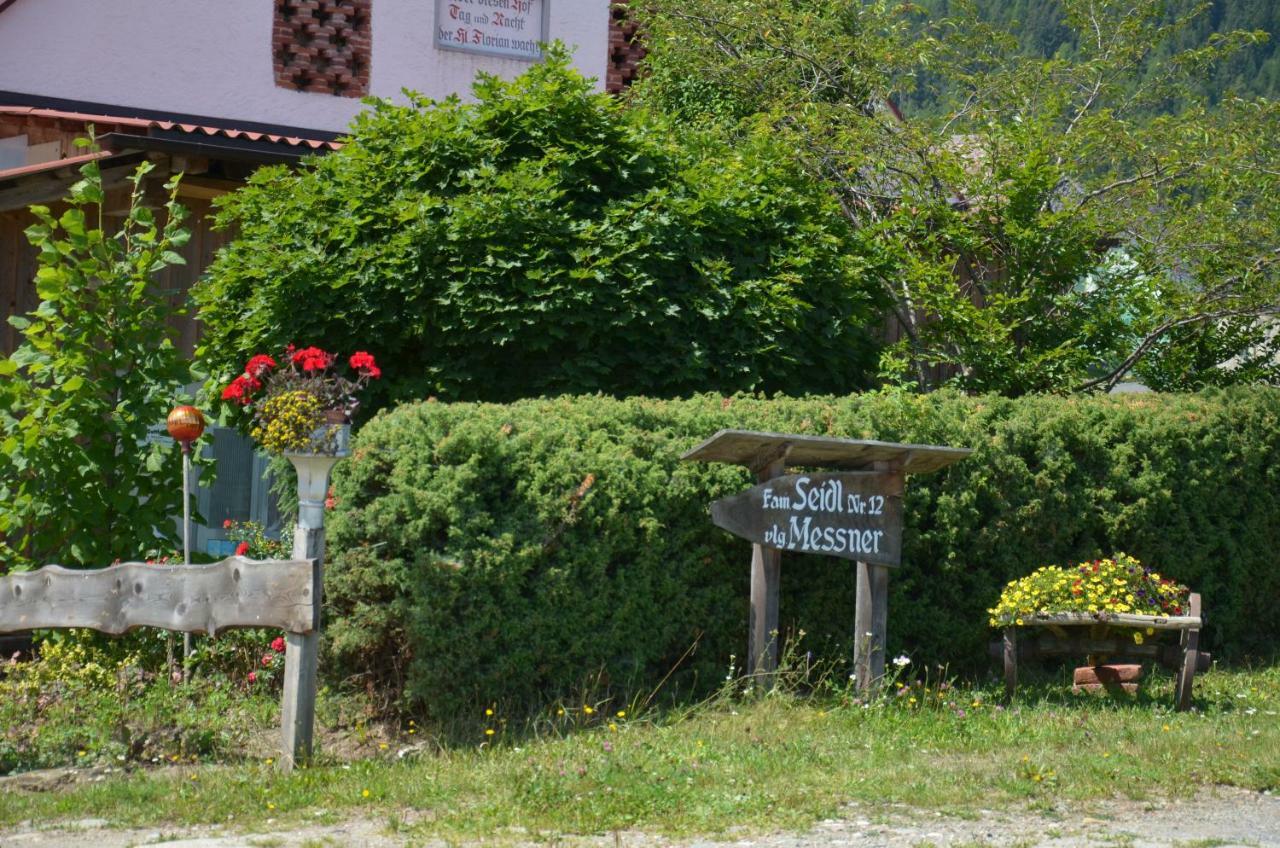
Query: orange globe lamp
[[185, 424]]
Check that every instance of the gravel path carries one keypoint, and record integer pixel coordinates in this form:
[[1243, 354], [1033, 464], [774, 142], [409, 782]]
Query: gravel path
[[1215, 817]]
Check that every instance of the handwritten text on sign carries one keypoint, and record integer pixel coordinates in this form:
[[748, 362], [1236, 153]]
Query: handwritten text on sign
[[850, 515], [510, 28]]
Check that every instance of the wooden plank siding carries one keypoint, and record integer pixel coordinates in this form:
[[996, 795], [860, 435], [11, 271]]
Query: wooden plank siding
[[18, 267]]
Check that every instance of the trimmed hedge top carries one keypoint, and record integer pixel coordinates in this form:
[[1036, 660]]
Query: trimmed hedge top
[[484, 552]]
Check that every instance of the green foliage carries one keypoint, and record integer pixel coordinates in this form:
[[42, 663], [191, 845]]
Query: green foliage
[[259, 544], [484, 552], [85, 703], [79, 482], [1042, 31], [1038, 230], [750, 766], [543, 239]]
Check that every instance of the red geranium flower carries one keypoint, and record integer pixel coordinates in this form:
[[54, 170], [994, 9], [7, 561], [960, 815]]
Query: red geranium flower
[[253, 676], [259, 365], [266, 659], [312, 359], [235, 391], [277, 644], [363, 363], [242, 549], [226, 525], [241, 388]]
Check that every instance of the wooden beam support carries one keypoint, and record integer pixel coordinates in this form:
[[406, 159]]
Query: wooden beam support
[[871, 604], [205, 188], [766, 579], [50, 186]]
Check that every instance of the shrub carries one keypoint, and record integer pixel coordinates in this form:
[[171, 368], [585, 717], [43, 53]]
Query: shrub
[[483, 552], [89, 701], [540, 240], [81, 482]]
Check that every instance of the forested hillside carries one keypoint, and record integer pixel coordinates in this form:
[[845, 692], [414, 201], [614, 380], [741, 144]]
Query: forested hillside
[[1041, 28]]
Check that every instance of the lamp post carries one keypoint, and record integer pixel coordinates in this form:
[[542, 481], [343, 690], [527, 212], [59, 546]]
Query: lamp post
[[185, 425]]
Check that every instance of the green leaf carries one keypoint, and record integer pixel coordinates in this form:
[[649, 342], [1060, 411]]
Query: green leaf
[[49, 283]]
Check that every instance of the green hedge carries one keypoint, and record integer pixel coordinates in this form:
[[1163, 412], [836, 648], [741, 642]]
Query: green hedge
[[510, 552]]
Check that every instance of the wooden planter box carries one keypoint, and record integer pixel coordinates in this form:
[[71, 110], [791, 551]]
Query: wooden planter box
[[1078, 633]]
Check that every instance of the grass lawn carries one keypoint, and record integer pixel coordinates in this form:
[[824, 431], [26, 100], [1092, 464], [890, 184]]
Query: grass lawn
[[780, 761]]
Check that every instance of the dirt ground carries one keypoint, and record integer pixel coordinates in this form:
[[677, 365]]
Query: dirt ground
[[1215, 817]]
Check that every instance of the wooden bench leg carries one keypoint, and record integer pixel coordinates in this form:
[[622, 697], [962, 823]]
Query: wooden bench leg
[[1010, 662], [1190, 661]]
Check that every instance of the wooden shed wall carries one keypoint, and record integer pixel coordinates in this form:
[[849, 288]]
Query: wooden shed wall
[[18, 268]]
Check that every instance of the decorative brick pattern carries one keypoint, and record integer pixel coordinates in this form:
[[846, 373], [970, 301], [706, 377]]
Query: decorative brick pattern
[[625, 49], [322, 46]]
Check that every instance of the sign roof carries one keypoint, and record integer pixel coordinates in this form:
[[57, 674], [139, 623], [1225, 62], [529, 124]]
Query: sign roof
[[752, 448]]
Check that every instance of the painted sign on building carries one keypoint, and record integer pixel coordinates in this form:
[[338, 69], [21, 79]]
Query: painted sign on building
[[513, 29]]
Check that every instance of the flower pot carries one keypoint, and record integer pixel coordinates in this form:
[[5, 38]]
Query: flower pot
[[327, 440]]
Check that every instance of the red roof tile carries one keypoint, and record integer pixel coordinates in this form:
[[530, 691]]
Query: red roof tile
[[169, 126]]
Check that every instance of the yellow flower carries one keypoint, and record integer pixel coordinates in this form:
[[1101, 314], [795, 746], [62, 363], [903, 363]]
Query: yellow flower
[[622, 713], [364, 793], [1137, 638], [587, 710], [488, 711], [613, 727], [488, 731]]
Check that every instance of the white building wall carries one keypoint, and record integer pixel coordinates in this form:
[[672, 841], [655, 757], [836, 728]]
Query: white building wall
[[213, 57]]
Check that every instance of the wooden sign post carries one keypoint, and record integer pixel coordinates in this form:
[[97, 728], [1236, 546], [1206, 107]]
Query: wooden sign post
[[853, 514]]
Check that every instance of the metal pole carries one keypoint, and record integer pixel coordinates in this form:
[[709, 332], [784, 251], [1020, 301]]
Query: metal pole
[[186, 546]]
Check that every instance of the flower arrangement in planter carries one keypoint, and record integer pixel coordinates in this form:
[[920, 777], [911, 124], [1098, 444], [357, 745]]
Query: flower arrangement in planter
[[253, 542], [302, 405], [1116, 585]]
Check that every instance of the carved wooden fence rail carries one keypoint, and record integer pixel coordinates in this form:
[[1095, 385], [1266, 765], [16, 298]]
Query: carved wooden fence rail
[[235, 592]]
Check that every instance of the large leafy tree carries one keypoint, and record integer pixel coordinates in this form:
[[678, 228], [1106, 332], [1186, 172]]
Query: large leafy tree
[[1039, 231], [80, 482], [544, 239]]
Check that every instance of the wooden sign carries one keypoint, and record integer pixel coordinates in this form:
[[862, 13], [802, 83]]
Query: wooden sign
[[854, 515]]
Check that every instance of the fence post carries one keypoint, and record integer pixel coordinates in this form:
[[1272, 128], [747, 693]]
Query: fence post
[[298, 707]]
